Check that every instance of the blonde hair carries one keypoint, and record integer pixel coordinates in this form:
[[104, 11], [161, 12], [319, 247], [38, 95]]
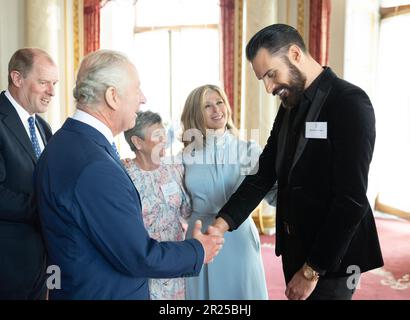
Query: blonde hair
[[193, 114]]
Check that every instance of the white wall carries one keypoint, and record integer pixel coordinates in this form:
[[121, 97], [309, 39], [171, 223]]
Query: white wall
[[40, 23], [12, 34], [337, 37], [259, 108]]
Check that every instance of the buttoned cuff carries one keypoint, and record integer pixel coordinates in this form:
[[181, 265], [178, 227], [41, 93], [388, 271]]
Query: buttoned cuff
[[228, 220]]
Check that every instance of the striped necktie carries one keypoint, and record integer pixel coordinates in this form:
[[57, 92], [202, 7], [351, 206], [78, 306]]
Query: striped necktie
[[116, 150], [33, 137]]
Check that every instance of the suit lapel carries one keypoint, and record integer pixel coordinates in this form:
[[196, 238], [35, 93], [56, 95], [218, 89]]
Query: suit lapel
[[13, 123], [41, 130], [313, 114], [282, 138], [113, 155], [99, 139]]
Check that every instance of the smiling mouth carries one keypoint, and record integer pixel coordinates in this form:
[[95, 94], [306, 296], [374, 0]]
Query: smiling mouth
[[46, 101], [282, 93], [216, 118]]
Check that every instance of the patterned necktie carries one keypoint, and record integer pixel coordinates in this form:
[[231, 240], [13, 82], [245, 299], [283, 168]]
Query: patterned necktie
[[116, 150], [33, 137]]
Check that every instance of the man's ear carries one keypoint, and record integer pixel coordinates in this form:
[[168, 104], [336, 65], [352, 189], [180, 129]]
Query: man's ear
[[111, 98], [137, 142], [16, 78], [295, 54]]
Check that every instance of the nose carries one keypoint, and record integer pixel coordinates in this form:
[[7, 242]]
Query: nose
[[163, 138], [269, 85], [50, 90], [143, 100], [215, 108]]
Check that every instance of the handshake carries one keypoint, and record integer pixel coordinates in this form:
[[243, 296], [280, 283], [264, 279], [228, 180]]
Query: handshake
[[213, 239]]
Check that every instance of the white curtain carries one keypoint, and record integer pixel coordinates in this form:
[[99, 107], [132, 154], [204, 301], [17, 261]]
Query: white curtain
[[393, 114]]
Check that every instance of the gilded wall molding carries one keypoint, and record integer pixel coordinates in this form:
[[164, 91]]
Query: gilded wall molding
[[66, 64], [238, 63], [76, 33], [301, 17]]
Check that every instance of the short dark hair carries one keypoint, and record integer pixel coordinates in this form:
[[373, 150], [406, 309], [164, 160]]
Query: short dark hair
[[274, 38], [144, 120]]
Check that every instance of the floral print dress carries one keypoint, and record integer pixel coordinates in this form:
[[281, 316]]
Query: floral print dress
[[165, 206]]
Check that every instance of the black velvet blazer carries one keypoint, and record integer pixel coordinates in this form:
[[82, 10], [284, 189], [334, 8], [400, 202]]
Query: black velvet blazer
[[326, 203]]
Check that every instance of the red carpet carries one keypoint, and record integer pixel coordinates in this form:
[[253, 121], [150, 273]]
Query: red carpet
[[392, 282]]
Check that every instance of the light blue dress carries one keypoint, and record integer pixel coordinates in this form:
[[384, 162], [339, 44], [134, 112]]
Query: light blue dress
[[212, 174]]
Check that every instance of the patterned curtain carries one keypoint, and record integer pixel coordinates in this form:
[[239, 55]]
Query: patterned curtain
[[319, 30], [92, 24], [228, 42]]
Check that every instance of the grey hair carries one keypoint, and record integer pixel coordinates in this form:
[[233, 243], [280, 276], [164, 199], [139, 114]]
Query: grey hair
[[145, 119], [98, 71]]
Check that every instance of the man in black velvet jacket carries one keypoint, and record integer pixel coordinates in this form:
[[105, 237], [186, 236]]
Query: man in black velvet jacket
[[319, 152]]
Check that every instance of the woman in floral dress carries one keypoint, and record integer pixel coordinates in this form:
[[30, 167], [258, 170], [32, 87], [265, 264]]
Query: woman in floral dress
[[165, 203]]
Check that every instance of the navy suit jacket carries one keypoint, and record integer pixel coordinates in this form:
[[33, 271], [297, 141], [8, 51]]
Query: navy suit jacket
[[22, 254], [92, 222]]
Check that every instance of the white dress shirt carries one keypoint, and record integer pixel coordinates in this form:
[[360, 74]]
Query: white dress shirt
[[24, 115], [95, 123]]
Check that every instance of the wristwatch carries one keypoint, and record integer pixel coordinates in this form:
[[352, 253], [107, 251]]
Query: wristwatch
[[309, 273]]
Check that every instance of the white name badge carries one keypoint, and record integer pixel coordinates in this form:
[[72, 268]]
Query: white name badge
[[169, 189], [316, 130]]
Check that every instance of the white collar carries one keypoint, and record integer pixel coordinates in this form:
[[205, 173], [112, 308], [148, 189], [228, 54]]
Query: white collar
[[217, 139], [23, 114], [95, 123]]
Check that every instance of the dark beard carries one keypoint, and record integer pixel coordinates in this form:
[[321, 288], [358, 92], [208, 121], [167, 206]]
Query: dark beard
[[295, 88]]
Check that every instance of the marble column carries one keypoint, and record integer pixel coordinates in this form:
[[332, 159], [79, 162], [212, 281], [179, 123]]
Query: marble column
[[45, 29], [12, 34], [258, 108]]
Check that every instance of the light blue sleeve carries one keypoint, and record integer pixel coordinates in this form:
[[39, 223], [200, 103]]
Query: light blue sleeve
[[254, 151]]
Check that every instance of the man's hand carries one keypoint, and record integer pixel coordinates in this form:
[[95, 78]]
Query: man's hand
[[299, 288], [211, 243], [218, 228]]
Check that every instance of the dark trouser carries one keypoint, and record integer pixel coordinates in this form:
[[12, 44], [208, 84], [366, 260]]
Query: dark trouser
[[38, 292], [332, 289], [293, 258], [22, 262]]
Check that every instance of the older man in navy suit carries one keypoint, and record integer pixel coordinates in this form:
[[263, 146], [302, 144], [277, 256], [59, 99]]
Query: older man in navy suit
[[23, 135], [90, 209]]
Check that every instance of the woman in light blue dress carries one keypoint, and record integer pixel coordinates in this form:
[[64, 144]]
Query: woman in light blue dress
[[214, 168]]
